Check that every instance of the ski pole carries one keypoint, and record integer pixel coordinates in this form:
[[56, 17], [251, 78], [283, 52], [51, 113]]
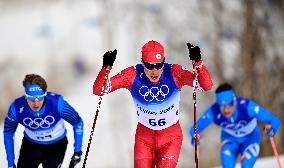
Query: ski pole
[[194, 116], [96, 116], [275, 151]]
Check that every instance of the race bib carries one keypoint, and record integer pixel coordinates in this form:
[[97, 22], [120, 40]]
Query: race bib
[[159, 116], [45, 135], [240, 129]]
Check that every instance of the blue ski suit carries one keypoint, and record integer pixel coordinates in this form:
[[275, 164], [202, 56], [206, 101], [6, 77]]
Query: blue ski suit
[[240, 133]]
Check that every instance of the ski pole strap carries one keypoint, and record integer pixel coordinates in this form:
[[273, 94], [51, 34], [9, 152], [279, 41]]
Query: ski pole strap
[[96, 116], [275, 151]]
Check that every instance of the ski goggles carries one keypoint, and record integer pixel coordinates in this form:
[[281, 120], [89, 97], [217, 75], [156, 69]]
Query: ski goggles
[[36, 97], [226, 105], [225, 99], [34, 93], [152, 66]]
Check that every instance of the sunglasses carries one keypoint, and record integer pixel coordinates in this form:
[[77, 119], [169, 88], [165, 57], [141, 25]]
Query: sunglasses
[[152, 66], [228, 105], [36, 98]]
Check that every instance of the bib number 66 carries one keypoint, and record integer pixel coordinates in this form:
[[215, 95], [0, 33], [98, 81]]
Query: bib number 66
[[160, 122]]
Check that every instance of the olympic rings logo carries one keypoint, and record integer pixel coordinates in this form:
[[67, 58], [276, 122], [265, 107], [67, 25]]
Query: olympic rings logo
[[234, 126], [45, 122], [156, 93]]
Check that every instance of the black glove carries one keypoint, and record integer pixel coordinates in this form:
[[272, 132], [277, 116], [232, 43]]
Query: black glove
[[76, 158], [109, 58], [194, 52], [269, 131]]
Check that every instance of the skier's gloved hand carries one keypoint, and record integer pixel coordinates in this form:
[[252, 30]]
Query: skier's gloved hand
[[194, 52], [109, 58], [269, 131], [197, 140], [76, 158]]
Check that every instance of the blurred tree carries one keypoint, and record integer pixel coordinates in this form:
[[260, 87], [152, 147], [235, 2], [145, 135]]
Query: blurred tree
[[262, 69]]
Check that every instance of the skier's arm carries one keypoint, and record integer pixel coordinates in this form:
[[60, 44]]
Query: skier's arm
[[10, 126], [203, 76], [68, 113], [124, 79], [203, 122], [183, 76], [263, 116]]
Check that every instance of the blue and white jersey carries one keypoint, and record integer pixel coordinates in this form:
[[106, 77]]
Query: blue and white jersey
[[240, 124], [243, 121], [43, 127], [157, 105]]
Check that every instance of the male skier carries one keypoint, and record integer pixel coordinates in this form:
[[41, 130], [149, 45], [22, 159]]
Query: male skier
[[42, 114], [155, 88], [238, 119]]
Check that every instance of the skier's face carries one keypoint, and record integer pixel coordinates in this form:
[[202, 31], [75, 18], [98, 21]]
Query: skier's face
[[228, 109], [153, 70], [35, 105]]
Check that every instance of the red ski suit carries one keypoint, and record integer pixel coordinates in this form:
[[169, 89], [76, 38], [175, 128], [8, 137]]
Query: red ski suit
[[158, 147]]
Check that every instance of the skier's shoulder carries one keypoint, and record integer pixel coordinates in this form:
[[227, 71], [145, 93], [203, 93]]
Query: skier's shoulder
[[129, 73], [129, 70], [242, 101], [53, 95], [176, 67], [214, 107], [19, 99], [12, 109]]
